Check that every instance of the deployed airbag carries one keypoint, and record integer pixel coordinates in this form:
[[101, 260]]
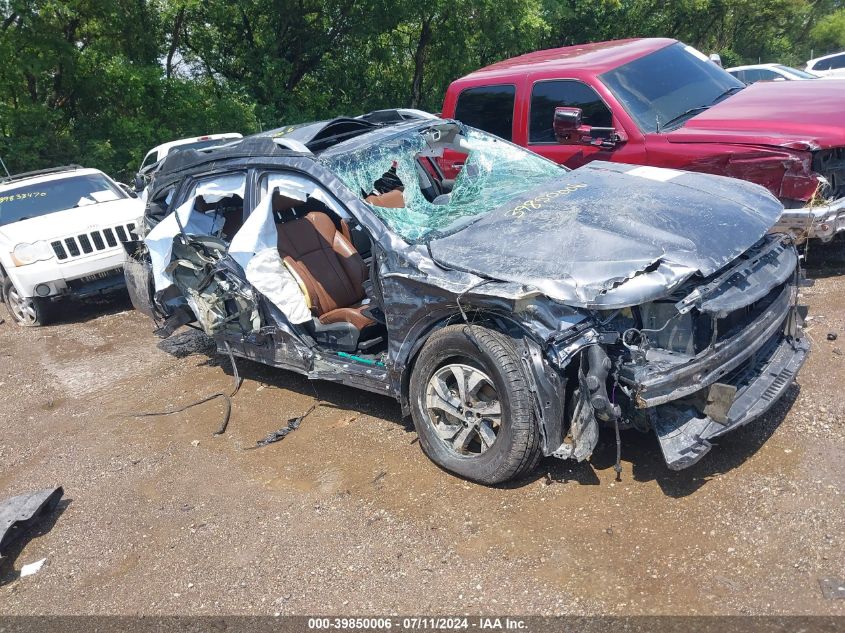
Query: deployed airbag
[[159, 240]]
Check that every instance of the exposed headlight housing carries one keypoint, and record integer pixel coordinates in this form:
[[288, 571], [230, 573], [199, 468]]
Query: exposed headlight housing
[[25, 253]]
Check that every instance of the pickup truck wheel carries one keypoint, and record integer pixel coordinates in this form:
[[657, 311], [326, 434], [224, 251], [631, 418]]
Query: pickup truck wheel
[[471, 405], [28, 312]]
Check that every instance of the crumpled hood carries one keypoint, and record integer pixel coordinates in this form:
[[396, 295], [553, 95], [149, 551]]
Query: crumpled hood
[[610, 235], [799, 114]]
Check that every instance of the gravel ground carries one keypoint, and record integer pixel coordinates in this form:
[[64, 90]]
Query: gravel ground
[[347, 516]]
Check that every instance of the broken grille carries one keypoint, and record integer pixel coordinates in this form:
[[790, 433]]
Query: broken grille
[[91, 242], [831, 164]]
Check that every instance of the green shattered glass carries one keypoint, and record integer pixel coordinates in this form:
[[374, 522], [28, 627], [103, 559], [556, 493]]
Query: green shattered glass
[[494, 171]]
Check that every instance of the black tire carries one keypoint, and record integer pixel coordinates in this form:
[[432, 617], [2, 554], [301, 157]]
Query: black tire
[[516, 448], [25, 312]]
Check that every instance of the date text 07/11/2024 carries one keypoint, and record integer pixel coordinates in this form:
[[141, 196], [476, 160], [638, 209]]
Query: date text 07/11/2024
[[417, 623]]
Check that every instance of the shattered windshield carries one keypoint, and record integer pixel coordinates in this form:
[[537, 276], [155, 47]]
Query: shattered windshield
[[426, 205]]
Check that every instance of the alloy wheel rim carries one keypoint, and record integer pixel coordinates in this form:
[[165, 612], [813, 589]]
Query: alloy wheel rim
[[22, 309], [463, 408]]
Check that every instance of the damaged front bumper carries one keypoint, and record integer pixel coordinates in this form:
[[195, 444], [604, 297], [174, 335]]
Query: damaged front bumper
[[691, 401], [724, 354], [821, 221], [686, 432]]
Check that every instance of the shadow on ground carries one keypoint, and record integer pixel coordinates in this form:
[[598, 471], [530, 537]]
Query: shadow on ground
[[641, 456], [825, 260], [10, 554], [642, 459], [67, 311]]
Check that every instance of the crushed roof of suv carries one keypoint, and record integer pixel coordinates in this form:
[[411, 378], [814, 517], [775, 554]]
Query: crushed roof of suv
[[317, 138]]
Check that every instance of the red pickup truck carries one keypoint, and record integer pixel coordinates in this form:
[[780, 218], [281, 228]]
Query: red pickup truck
[[659, 102]]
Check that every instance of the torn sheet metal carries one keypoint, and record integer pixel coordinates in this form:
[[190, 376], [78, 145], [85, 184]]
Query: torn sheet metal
[[214, 286], [22, 512], [602, 237], [160, 239]]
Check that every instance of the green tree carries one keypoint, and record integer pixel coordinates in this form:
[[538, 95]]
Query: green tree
[[99, 82], [828, 34], [87, 86]]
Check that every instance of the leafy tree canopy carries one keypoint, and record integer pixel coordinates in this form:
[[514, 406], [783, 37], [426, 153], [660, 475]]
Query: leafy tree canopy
[[99, 82]]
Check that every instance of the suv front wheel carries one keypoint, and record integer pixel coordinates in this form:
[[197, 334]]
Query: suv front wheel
[[472, 407], [26, 311]]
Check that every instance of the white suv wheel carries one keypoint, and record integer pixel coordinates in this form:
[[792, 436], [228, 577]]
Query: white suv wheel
[[29, 312]]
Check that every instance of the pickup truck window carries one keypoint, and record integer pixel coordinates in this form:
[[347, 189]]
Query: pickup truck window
[[669, 86], [489, 108], [548, 95]]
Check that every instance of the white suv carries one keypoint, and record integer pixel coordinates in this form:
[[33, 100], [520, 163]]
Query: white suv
[[60, 234], [828, 66]]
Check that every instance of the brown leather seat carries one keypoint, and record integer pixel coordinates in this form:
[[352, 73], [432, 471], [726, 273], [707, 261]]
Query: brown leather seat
[[391, 200], [329, 268]]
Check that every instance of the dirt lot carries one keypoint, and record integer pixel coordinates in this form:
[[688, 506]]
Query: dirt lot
[[347, 516]]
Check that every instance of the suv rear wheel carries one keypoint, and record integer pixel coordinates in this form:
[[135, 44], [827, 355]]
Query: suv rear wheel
[[28, 312], [471, 405]]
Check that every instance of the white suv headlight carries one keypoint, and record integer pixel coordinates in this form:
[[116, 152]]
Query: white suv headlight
[[25, 253]]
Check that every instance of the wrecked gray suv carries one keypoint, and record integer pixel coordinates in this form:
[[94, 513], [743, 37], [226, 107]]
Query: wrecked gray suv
[[511, 311]]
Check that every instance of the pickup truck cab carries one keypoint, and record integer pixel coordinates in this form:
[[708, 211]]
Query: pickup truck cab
[[662, 103], [60, 235]]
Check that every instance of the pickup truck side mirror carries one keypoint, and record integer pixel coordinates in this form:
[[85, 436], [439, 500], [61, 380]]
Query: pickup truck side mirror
[[139, 183], [569, 130]]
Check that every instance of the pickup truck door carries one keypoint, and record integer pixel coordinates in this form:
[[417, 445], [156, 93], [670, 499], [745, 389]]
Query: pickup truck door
[[538, 135]]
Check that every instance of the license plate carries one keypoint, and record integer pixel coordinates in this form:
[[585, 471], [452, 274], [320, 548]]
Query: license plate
[[103, 275]]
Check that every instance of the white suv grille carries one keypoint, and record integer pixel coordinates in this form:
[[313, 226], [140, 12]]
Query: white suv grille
[[95, 241]]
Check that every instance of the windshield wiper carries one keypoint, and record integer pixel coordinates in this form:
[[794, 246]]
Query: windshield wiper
[[727, 93], [697, 109], [682, 116]]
